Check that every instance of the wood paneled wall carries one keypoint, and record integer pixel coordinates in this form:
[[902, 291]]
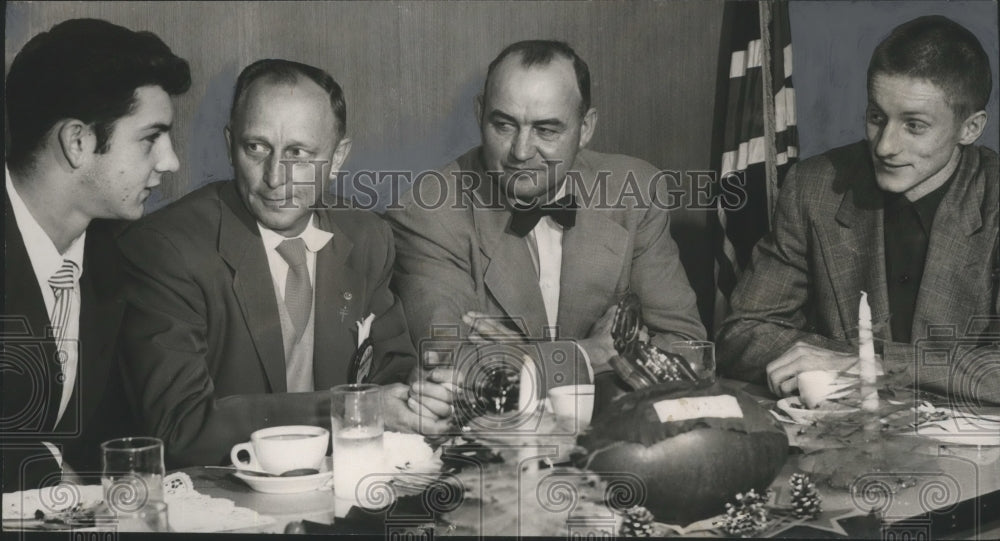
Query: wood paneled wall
[[411, 70]]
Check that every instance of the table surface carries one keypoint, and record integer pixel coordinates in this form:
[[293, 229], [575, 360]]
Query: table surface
[[921, 488], [932, 484]]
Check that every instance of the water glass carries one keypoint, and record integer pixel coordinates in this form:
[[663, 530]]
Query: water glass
[[357, 425], [132, 473], [151, 517], [700, 354]]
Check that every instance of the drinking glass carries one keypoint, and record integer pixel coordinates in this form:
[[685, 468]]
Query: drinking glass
[[357, 425], [132, 473], [151, 517], [700, 354]]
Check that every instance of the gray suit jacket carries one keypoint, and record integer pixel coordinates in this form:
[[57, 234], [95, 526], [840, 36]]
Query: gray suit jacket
[[201, 341], [806, 277], [456, 257]]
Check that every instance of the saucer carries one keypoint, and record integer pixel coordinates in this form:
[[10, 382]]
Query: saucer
[[290, 485]]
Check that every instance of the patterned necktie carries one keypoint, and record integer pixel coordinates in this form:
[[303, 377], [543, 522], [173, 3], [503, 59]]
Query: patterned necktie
[[62, 284], [298, 288]]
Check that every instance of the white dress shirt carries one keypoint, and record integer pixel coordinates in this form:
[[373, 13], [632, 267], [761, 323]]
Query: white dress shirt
[[45, 261], [313, 237], [545, 244]]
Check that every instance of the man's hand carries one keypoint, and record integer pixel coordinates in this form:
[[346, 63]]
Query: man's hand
[[432, 389], [599, 345], [782, 373], [399, 416], [486, 328]]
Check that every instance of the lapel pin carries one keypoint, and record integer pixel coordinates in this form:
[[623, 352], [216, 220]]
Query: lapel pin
[[344, 311]]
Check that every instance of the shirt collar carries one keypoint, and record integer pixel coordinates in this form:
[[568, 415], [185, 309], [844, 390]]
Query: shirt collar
[[925, 207], [45, 258], [313, 237]]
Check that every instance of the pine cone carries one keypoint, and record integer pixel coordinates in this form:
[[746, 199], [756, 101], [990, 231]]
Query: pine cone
[[638, 522], [748, 516], [805, 498]]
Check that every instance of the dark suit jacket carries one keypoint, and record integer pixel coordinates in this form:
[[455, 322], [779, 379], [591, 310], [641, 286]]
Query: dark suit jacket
[[806, 277], [201, 342], [31, 387], [458, 257]]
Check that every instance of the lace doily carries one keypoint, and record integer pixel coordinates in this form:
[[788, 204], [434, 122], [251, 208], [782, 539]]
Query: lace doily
[[192, 511], [188, 509]]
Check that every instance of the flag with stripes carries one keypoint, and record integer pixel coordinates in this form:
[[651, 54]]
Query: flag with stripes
[[755, 136]]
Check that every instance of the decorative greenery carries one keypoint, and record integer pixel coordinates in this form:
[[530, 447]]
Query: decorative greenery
[[805, 497], [749, 515], [638, 522]]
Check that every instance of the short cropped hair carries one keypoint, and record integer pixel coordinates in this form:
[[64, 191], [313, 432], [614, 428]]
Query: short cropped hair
[[287, 71], [939, 50], [85, 69], [541, 52]]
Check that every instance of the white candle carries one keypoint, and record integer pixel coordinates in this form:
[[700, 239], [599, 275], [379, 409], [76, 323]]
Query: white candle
[[866, 355]]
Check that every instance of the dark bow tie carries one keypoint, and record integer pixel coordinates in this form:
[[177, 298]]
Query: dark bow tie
[[562, 210]]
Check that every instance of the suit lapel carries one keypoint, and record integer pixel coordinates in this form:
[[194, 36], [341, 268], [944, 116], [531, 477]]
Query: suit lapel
[[954, 241], [100, 316], [592, 260], [25, 315], [510, 275], [856, 253], [242, 249], [338, 302]]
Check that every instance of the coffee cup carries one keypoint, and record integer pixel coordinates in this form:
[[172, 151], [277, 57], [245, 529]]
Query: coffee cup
[[575, 402], [280, 449], [815, 386]]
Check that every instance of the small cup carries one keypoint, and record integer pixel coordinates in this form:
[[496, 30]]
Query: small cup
[[279, 449], [700, 354], [815, 386], [574, 402]]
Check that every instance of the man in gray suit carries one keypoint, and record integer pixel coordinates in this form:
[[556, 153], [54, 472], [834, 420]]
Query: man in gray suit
[[533, 237], [909, 216]]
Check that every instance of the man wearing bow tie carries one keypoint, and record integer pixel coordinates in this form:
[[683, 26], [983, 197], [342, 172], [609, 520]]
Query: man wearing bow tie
[[517, 248]]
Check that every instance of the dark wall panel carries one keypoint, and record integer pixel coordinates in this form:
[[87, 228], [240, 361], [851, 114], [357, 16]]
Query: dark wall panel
[[411, 71]]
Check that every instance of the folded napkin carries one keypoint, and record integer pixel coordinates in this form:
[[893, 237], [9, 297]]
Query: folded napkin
[[188, 509], [960, 428], [51, 500], [406, 452]]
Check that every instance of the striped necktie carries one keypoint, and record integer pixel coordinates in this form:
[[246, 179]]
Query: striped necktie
[[298, 288], [62, 284]]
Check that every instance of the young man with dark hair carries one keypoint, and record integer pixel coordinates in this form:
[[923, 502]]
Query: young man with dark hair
[[244, 297], [89, 116], [910, 216]]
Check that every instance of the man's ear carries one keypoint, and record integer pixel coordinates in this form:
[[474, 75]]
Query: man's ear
[[478, 104], [588, 126], [77, 141], [229, 143], [340, 155], [972, 128]]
